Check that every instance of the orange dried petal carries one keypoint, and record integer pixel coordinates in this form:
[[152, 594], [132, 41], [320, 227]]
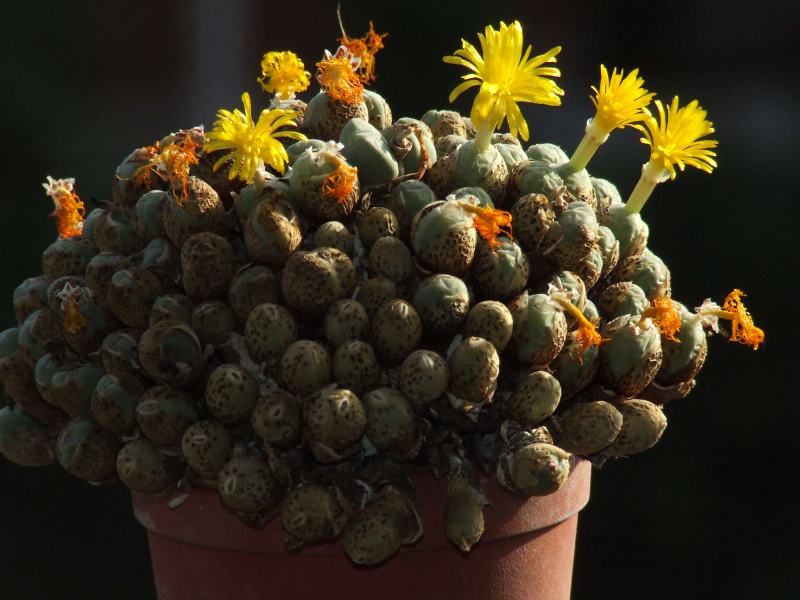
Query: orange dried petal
[[340, 82], [743, 329], [664, 316], [74, 320], [490, 223], [340, 182], [365, 48]]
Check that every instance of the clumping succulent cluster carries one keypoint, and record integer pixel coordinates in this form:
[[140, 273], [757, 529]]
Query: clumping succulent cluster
[[301, 310]]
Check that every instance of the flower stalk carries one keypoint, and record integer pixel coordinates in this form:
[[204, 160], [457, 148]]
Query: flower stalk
[[619, 102]]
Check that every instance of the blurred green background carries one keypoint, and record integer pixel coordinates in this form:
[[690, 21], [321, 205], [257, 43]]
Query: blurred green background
[[710, 512]]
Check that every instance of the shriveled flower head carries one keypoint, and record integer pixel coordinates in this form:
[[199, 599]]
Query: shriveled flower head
[[171, 162], [69, 210], [365, 48], [72, 298], [619, 100], [489, 222], [505, 76], [337, 74], [675, 138], [251, 143], [174, 162], [283, 74], [664, 316], [743, 330], [586, 334], [339, 183]]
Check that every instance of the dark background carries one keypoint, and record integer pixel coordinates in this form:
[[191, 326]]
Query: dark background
[[711, 512]]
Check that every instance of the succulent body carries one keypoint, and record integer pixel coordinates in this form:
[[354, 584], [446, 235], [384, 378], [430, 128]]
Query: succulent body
[[474, 368], [247, 484], [334, 422], [378, 531], [276, 419], [631, 356], [206, 446], [540, 329]]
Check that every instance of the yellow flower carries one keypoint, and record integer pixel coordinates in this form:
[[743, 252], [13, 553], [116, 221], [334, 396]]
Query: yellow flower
[[619, 101], [489, 222], [251, 143], [283, 74], [675, 138], [505, 76], [68, 207]]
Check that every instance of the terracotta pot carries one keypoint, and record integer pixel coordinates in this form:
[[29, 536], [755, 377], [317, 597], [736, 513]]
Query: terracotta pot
[[201, 551]]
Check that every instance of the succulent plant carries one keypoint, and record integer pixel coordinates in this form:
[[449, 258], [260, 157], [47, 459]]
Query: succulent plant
[[333, 423], [248, 484], [463, 513], [313, 513], [144, 469], [378, 531], [308, 325], [535, 397], [206, 446], [442, 302], [589, 427], [276, 419], [355, 366], [231, 394]]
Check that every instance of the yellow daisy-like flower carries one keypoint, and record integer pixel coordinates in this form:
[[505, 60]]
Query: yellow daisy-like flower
[[251, 143], [283, 74], [674, 139], [506, 76], [619, 102]]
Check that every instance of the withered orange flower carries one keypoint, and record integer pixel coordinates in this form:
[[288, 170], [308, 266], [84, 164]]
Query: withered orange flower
[[365, 48], [587, 334], [74, 320], [339, 183], [69, 210], [743, 329], [336, 74], [664, 316], [171, 163], [72, 296], [489, 222]]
